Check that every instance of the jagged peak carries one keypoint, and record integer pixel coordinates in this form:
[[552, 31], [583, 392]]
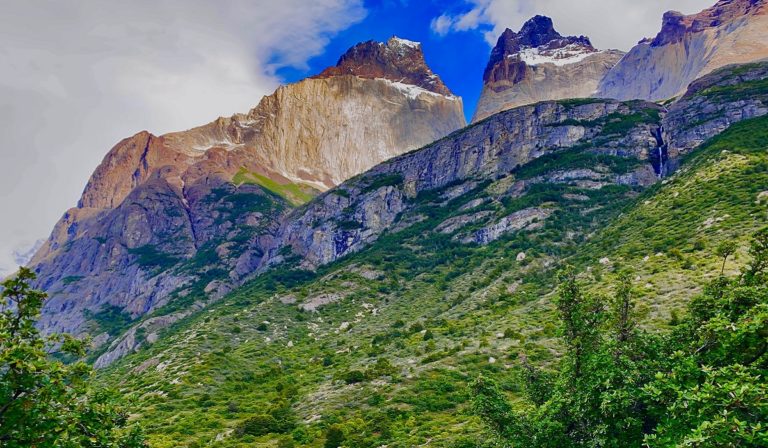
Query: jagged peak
[[537, 35], [398, 60], [537, 31], [675, 25]]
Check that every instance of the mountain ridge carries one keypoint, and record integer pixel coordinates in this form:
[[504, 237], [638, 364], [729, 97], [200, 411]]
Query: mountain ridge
[[357, 214], [688, 47], [157, 201], [539, 64], [387, 337]]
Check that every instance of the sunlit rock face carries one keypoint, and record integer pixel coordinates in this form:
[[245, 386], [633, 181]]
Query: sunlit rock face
[[158, 202], [538, 64], [688, 47], [384, 197]]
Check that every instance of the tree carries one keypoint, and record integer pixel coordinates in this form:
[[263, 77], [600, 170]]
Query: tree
[[622, 307], [725, 250], [758, 250], [701, 385], [580, 316], [45, 402], [334, 437]]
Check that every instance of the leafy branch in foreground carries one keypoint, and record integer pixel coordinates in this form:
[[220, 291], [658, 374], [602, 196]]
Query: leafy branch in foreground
[[45, 402], [702, 385]]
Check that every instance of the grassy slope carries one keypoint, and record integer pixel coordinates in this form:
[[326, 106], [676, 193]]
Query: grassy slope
[[296, 194], [481, 305]]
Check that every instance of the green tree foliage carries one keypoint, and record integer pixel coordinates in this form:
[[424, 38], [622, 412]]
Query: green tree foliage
[[334, 437], [702, 385], [44, 402], [259, 425], [725, 250]]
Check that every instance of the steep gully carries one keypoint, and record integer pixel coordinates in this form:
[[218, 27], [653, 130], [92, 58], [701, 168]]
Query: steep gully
[[659, 156]]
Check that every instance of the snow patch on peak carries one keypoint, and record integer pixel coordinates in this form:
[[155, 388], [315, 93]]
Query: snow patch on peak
[[226, 144], [413, 92], [570, 54], [404, 42]]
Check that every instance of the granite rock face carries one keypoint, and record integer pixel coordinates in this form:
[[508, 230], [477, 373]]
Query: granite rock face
[[713, 103], [689, 47], [165, 216], [519, 220], [650, 137], [539, 64], [357, 212]]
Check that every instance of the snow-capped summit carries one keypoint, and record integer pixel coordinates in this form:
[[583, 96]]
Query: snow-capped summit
[[408, 43], [538, 63], [398, 60]]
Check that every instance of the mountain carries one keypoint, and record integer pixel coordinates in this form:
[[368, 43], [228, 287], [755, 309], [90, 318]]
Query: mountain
[[378, 301], [650, 139], [538, 64], [688, 47], [399, 60], [164, 215]]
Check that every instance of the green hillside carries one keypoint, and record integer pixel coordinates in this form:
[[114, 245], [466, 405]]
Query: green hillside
[[393, 335]]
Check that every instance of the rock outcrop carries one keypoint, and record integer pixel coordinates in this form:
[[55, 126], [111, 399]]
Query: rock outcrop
[[715, 102], [164, 216], [689, 47], [357, 213], [648, 137], [538, 64]]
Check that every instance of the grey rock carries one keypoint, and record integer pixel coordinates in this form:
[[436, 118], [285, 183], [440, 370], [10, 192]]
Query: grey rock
[[702, 112], [490, 149], [519, 220]]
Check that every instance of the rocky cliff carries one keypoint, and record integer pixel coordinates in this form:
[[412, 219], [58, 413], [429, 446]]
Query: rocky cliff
[[358, 212], [688, 47], [518, 172], [590, 143], [166, 215], [715, 102], [538, 64]]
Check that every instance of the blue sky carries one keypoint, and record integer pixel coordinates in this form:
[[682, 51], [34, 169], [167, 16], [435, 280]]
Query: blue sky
[[459, 58]]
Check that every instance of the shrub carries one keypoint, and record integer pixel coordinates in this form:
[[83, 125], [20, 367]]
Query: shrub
[[353, 377], [701, 385], [258, 425]]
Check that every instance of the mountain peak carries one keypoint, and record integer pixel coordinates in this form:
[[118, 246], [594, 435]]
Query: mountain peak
[[537, 31], [398, 60], [537, 34], [538, 64], [675, 24]]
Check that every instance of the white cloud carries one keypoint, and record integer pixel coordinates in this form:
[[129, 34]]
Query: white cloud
[[441, 25], [608, 23], [78, 76]]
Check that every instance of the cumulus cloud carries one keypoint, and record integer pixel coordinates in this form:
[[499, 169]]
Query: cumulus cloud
[[608, 23], [441, 24], [78, 76]]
